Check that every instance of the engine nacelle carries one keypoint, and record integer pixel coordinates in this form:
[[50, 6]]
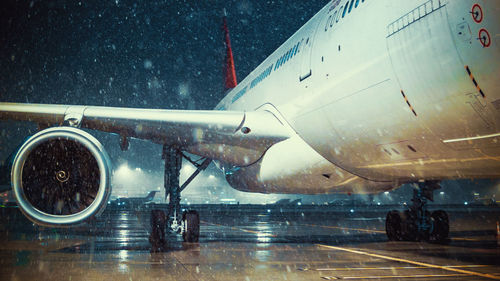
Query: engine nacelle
[[61, 176]]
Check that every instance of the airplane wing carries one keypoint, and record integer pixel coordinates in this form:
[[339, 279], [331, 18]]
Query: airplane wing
[[239, 138]]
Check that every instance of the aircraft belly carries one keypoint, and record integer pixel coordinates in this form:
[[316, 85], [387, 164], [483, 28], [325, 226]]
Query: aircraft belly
[[292, 166]]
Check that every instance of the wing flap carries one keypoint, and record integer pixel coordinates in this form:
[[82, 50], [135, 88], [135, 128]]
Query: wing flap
[[239, 138]]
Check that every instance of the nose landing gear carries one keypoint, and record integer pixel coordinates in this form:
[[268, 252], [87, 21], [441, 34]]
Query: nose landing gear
[[417, 223]]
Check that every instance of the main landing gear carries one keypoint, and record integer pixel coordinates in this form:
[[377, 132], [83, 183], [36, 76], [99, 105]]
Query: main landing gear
[[174, 221], [417, 223]]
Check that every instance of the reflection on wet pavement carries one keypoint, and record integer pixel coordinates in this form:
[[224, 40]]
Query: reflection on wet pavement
[[250, 243]]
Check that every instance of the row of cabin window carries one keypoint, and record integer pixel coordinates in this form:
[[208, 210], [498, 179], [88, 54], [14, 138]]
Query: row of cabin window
[[261, 76], [239, 94], [347, 8], [288, 55]]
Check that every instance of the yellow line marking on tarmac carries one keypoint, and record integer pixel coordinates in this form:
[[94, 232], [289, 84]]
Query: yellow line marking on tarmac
[[393, 276], [242, 229], [388, 267], [348, 228], [485, 275], [465, 239]]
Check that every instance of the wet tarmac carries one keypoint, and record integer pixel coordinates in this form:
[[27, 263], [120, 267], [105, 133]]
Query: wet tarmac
[[248, 242]]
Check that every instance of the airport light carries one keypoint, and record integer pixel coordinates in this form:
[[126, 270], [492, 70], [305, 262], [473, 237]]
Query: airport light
[[352, 210], [466, 203], [442, 192], [386, 193]]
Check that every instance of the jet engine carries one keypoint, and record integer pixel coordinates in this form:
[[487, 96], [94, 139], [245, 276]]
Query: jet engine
[[61, 176]]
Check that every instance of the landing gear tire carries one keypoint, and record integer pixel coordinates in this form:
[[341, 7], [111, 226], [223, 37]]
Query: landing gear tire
[[440, 226], [408, 226], [191, 223], [158, 227], [393, 226]]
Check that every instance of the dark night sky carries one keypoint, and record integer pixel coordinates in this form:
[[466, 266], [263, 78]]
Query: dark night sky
[[122, 53], [151, 54]]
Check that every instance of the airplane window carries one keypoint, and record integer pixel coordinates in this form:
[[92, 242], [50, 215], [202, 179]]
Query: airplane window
[[345, 9], [333, 19], [280, 61], [287, 56], [326, 25], [297, 49], [294, 50], [356, 5], [350, 6]]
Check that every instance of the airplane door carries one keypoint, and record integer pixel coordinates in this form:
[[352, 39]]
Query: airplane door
[[432, 76], [475, 27], [305, 66], [306, 47]]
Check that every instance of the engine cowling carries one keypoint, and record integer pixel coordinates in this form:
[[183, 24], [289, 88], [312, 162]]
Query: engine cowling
[[61, 176]]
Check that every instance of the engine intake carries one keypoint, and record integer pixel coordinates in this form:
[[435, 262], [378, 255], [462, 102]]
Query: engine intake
[[61, 176]]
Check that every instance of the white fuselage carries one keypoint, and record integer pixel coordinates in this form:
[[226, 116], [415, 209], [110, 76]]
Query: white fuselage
[[378, 96]]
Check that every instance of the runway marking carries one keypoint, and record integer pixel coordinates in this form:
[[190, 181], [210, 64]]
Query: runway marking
[[393, 276], [387, 268], [485, 275], [242, 229], [348, 228], [465, 239]]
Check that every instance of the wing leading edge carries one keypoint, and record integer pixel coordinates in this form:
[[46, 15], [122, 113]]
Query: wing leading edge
[[238, 138]]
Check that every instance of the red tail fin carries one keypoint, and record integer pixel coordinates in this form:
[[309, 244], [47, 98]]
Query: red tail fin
[[229, 71]]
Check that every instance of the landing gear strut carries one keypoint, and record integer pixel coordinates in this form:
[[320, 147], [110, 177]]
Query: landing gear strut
[[417, 223], [188, 223]]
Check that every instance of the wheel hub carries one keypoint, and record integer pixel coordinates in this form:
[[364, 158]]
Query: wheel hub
[[62, 176]]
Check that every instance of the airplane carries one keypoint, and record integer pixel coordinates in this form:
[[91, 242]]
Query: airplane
[[296, 202], [283, 201], [288, 202], [365, 97], [133, 201]]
